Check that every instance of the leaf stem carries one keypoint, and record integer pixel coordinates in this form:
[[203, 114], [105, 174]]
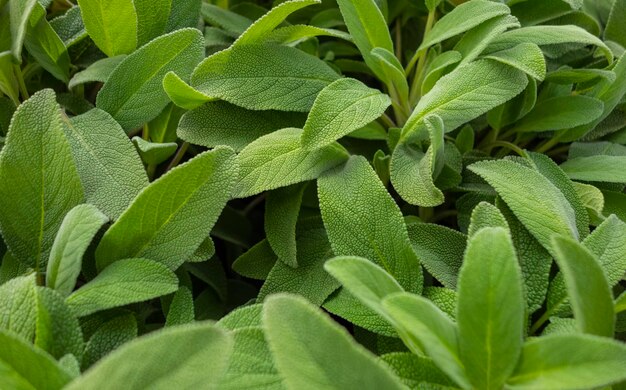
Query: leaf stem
[[542, 320], [421, 61], [549, 144], [508, 145], [178, 156], [20, 81]]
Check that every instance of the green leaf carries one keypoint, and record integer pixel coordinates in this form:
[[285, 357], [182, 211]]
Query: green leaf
[[534, 200], [340, 108], [108, 337], [548, 35], [186, 13], [299, 337], [282, 208], [257, 262], [19, 14], [43, 43], [309, 279], [255, 77], [38, 179], [413, 172], [154, 152], [486, 215], [77, 230], [597, 168], [362, 219], [415, 371], [134, 91], [98, 71], [572, 361], [8, 82], [181, 309], [278, 160], [18, 306], [268, 22], [587, 287], [301, 32], [465, 94], [608, 244], [461, 19], [472, 44], [427, 328], [28, 365], [366, 281], [231, 22], [183, 357], [526, 57], [112, 24], [560, 112], [108, 165], [222, 123], [368, 28], [152, 18], [183, 94], [593, 200], [439, 66], [58, 331], [243, 317], [123, 282], [439, 249], [397, 82], [490, 309], [197, 191], [615, 29]]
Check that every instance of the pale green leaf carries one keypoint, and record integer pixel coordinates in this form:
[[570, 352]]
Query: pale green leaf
[[368, 28], [438, 67], [490, 308], [608, 244], [263, 77], [282, 208], [152, 16], [170, 232], [597, 168], [427, 328], [77, 230], [257, 262], [134, 92], [222, 123], [38, 180], [186, 13], [301, 32], [123, 282], [43, 43], [362, 219], [268, 22], [340, 108], [615, 29], [112, 24], [108, 164], [534, 200], [181, 309], [181, 93], [526, 57], [154, 152], [98, 71], [18, 306], [572, 361], [19, 14], [486, 215], [188, 356], [478, 38], [34, 368], [560, 112], [587, 287], [416, 371], [300, 337], [109, 336], [278, 160]]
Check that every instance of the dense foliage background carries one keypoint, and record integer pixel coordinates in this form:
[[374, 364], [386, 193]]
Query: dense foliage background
[[306, 194]]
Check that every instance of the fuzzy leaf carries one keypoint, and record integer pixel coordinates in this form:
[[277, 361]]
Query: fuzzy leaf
[[278, 160], [560, 112], [123, 282], [98, 71], [108, 337], [18, 306], [134, 92], [77, 230], [282, 208], [112, 24], [38, 180], [597, 168], [342, 107], [526, 57], [152, 18], [170, 232]]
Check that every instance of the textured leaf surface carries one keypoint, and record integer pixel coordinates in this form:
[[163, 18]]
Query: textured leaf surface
[[222, 123], [34, 368], [171, 217], [38, 180], [561, 112], [588, 289], [134, 92], [342, 107], [43, 43], [18, 306], [112, 24], [98, 71], [108, 337], [152, 18], [282, 208], [107, 162], [184, 357], [538, 204], [77, 230], [569, 362], [299, 337], [121, 283], [263, 77], [526, 57], [490, 308], [363, 220], [597, 168], [278, 160]]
